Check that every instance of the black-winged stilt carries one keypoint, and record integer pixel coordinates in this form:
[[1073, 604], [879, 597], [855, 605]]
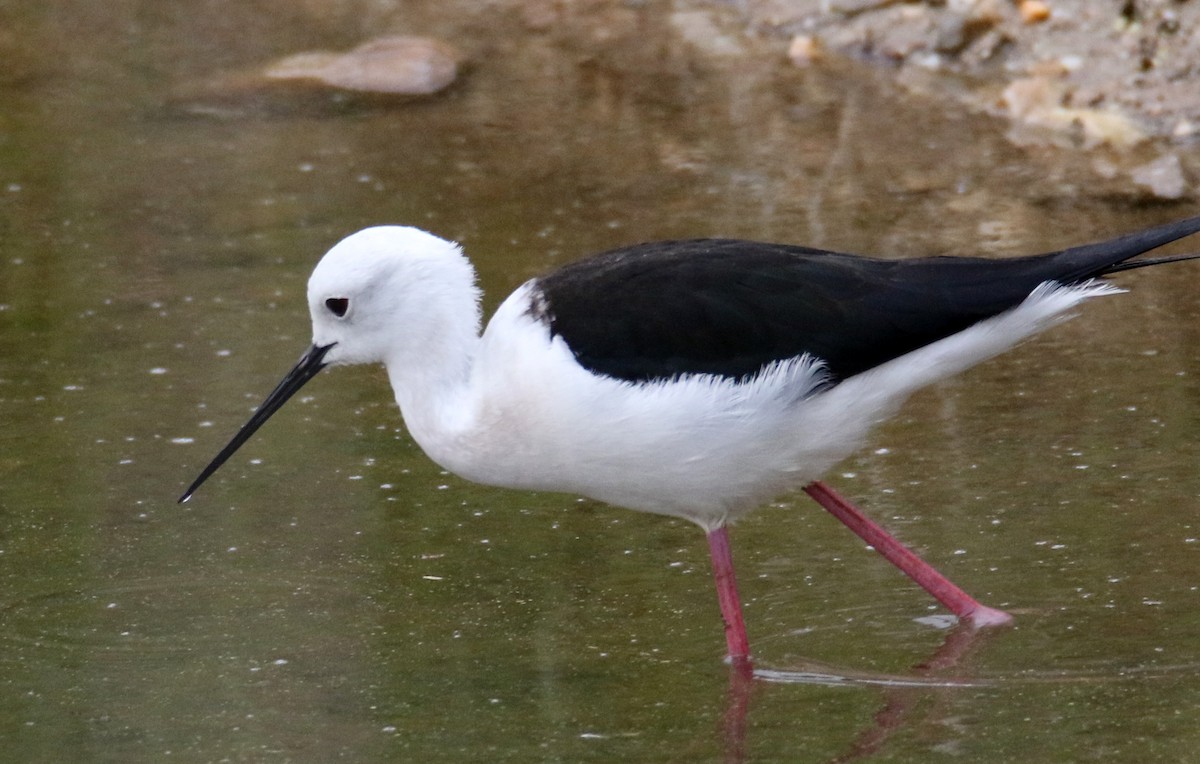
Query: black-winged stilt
[[690, 378]]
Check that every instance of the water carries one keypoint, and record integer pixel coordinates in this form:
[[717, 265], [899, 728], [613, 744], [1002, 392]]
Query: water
[[332, 594]]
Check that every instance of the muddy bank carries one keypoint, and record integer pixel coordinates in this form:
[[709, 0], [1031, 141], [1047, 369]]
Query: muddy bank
[[1138, 58], [1099, 99], [1111, 85], [1070, 74]]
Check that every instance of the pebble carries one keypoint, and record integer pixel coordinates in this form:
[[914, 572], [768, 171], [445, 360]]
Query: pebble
[[397, 64]]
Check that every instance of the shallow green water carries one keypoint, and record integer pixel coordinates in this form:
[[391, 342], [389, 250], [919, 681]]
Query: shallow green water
[[333, 594]]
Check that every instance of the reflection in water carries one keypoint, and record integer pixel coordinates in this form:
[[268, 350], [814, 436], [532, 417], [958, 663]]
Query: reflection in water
[[901, 692], [899, 699], [737, 710]]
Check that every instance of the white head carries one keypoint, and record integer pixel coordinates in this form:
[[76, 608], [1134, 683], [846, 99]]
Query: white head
[[392, 294]]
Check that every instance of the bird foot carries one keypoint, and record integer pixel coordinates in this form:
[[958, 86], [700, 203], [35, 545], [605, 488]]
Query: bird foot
[[983, 616]]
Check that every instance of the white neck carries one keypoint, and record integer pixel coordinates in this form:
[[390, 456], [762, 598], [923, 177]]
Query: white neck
[[431, 374]]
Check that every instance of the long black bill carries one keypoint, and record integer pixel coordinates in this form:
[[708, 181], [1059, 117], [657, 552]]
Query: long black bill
[[307, 367]]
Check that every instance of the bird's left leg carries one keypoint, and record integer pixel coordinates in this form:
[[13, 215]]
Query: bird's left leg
[[963, 605]]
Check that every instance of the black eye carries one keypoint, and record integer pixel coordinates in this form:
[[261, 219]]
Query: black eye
[[338, 306]]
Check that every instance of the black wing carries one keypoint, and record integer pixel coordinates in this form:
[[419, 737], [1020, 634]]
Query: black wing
[[730, 307]]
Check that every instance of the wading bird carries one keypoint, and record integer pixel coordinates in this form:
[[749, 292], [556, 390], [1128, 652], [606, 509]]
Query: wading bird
[[697, 378]]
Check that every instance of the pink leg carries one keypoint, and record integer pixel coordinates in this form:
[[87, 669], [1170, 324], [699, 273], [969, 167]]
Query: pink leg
[[959, 602], [727, 596]]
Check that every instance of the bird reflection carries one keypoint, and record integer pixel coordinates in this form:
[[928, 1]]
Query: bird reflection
[[943, 670]]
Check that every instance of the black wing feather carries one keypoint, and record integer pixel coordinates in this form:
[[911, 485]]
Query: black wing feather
[[730, 307]]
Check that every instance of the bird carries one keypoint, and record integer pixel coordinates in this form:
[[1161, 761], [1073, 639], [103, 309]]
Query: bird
[[696, 378]]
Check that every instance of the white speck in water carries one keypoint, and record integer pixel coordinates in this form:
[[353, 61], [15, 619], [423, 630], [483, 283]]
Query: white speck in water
[[72, 388], [938, 621], [389, 729], [231, 549], [256, 461], [281, 661], [591, 736], [182, 441], [223, 353], [158, 370], [433, 578], [111, 605]]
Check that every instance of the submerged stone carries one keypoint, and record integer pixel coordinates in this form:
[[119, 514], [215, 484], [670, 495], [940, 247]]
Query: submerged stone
[[398, 64]]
